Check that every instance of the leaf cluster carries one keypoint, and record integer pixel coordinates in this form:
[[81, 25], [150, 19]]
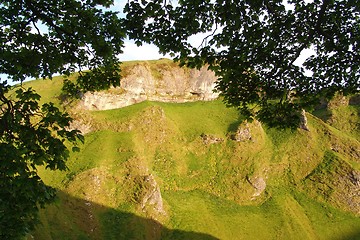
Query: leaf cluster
[[254, 46], [41, 38], [30, 136]]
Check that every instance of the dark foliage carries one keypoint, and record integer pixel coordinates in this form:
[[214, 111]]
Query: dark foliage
[[41, 38], [253, 47]]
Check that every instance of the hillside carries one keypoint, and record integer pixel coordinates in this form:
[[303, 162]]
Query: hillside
[[157, 170]]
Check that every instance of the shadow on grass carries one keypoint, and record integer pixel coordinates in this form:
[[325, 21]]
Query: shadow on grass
[[324, 113], [74, 218], [355, 101], [355, 236], [233, 127]]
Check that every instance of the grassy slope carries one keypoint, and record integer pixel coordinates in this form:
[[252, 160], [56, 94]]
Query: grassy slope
[[205, 188]]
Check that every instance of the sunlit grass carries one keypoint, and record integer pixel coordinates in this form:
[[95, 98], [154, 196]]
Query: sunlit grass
[[206, 188]]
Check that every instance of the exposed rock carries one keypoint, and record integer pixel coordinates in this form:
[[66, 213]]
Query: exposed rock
[[104, 101], [355, 178], [210, 139], [323, 104], [337, 101], [258, 184], [338, 185], [81, 126], [247, 130], [243, 133], [168, 84], [303, 121], [150, 196]]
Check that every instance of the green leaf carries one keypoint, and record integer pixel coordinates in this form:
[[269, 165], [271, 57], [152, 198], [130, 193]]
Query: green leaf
[[75, 149]]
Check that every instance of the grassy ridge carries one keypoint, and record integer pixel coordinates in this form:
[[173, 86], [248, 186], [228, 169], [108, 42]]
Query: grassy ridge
[[205, 187], [210, 190]]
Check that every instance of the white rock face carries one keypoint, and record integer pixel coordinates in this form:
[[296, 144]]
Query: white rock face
[[105, 101], [152, 199], [171, 84]]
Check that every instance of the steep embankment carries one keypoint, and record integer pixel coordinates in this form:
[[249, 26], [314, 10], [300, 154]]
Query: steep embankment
[[194, 171]]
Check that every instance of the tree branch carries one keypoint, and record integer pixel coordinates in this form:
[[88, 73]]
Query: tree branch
[[210, 35]]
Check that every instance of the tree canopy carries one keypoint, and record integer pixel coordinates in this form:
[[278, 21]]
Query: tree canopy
[[253, 47], [40, 38]]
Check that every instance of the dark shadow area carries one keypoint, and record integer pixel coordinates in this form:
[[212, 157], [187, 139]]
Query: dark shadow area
[[233, 127], [321, 111], [355, 100], [74, 218], [355, 236], [323, 114]]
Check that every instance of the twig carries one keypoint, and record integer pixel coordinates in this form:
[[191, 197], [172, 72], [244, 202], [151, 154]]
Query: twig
[[210, 35]]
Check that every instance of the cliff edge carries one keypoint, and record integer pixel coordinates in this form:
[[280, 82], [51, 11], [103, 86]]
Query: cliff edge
[[161, 80]]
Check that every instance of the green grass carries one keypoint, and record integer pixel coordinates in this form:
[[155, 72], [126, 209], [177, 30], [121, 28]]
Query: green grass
[[201, 117], [343, 114], [206, 188], [115, 149], [327, 221], [200, 211], [283, 216]]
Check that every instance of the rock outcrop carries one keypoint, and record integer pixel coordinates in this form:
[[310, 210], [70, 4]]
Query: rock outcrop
[[244, 131], [210, 139], [259, 185], [152, 197], [165, 83], [303, 121], [148, 195], [242, 134], [338, 185]]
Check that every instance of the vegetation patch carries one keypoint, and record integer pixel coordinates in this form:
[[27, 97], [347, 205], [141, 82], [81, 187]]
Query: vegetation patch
[[274, 184]]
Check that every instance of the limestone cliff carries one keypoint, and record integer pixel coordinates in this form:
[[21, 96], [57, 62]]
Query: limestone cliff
[[162, 81]]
